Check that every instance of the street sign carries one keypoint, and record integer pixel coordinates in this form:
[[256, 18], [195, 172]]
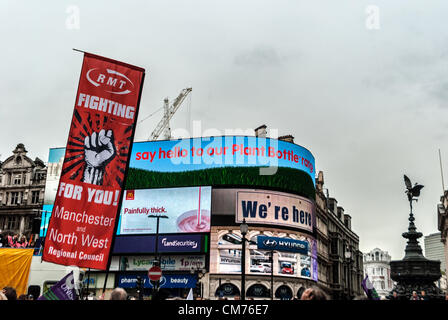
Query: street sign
[[155, 273]]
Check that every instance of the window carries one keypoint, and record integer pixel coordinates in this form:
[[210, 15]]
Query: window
[[334, 246], [35, 197], [335, 273], [15, 197], [2, 222], [29, 221], [13, 223], [17, 179]]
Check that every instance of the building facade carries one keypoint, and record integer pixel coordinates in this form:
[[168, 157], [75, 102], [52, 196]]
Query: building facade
[[340, 260], [442, 210], [377, 267], [22, 184], [435, 250]]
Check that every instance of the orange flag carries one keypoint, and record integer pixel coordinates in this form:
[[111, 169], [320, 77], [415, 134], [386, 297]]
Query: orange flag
[[15, 269]]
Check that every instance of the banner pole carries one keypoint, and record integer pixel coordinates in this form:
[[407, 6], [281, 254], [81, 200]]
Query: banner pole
[[120, 201], [88, 281]]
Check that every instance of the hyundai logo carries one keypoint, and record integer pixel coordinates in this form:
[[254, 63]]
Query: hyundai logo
[[270, 243]]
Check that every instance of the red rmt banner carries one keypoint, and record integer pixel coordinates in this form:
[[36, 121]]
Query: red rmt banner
[[88, 198]]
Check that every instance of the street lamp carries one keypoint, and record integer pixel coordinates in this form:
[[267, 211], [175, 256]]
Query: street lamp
[[157, 259], [348, 259], [244, 228], [200, 273]]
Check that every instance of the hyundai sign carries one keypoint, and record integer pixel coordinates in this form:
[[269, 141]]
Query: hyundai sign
[[282, 244]]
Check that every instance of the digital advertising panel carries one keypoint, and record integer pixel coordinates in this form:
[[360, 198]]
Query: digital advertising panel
[[54, 168], [96, 158], [291, 257], [167, 262], [274, 208], [175, 243], [222, 160], [187, 210], [129, 281]]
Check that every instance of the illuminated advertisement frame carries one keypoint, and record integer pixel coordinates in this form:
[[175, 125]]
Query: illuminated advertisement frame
[[187, 210]]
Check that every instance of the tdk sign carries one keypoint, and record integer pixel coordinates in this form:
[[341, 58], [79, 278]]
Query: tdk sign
[[282, 244]]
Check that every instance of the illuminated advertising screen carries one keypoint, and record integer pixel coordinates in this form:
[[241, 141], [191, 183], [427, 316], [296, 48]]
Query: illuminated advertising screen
[[187, 210], [276, 208], [54, 168], [291, 257], [167, 263], [225, 160]]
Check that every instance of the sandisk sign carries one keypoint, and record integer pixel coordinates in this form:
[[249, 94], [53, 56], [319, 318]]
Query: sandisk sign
[[96, 159]]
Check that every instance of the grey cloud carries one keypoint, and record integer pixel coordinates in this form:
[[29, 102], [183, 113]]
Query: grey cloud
[[262, 56]]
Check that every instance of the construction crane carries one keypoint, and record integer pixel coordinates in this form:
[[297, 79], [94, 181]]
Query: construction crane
[[164, 124]]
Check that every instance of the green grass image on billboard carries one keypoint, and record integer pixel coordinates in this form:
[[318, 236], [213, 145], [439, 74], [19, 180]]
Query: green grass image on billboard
[[285, 179]]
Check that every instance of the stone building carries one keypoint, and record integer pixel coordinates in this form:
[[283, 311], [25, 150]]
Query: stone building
[[339, 258], [377, 267], [435, 250], [22, 184], [442, 209]]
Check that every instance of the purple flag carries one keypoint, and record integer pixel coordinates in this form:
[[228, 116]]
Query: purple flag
[[369, 289], [63, 290]]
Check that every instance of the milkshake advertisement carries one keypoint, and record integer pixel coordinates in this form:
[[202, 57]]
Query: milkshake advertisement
[[96, 157], [187, 210]]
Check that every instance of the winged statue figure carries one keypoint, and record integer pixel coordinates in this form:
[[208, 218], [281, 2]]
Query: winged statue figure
[[412, 191]]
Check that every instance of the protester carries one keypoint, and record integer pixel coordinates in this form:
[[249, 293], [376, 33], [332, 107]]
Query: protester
[[118, 294], [2, 240], [12, 240], [314, 293], [423, 295], [22, 243], [414, 296], [16, 241], [394, 296], [10, 293]]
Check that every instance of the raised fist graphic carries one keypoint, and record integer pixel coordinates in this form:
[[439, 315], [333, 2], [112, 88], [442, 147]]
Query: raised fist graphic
[[99, 150]]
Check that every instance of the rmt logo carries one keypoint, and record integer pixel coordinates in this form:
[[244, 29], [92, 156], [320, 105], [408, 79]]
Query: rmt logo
[[112, 81]]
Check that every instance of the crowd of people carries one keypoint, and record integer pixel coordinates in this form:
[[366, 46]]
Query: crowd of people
[[9, 293], [16, 241], [312, 293], [414, 296]]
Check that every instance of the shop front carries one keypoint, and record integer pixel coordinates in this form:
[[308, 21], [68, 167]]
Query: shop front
[[281, 248]]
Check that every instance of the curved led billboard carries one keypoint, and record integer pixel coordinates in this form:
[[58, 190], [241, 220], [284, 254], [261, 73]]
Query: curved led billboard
[[219, 161]]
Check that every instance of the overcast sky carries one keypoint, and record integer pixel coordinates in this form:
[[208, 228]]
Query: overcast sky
[[362, 84]]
